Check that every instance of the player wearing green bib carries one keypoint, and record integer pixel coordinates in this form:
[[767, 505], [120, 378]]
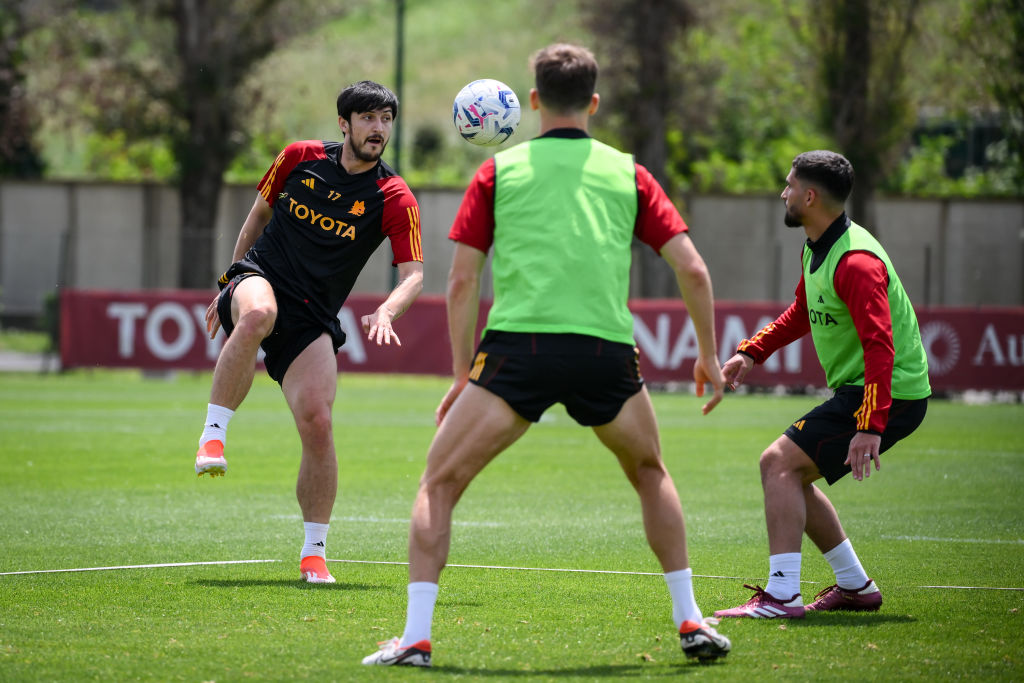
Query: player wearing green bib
[[866, 336], [559, 214]]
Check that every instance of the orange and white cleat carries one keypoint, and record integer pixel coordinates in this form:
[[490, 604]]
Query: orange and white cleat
[[391, 653], [210, 459], [314, 570]]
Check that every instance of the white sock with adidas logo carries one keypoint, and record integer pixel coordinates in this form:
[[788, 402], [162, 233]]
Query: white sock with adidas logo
[[217, 418], [784, 577], [316, 539]]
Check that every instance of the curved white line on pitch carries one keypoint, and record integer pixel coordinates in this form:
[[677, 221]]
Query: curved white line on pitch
[[462, 566]]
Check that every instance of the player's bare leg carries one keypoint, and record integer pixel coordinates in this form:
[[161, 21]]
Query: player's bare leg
[[478, 427], [853, 590], [253, 312], [784, 468], [633, 437], [310, 386], [823, 526]]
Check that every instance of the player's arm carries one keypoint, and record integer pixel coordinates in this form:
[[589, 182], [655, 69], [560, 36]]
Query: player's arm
[[695, 286], [862, 282], [377, 325], [252, 228], [463, 304], [787, 328], [659, 225], [401, 223], [473, 233]]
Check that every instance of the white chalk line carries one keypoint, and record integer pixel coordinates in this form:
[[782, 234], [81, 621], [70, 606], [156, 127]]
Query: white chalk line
[[135, 566], [458, 566], [940, 539]]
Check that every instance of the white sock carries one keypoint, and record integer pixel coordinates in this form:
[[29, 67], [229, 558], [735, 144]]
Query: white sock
[[784, 576], [684, 605], [217, 418], [420, 612], [849, 572], [316, 540]]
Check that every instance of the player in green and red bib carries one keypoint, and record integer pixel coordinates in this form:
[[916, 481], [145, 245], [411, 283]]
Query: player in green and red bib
[[559, 214], [323, 208], [866, 336]]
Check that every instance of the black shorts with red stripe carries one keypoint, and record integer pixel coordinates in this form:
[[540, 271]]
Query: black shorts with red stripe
[[825, 433], [590, 376], [296, 327]]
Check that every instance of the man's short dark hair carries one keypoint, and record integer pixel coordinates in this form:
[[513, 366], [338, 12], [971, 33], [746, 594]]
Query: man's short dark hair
[[565, 76], [830, 171], [366, 96]]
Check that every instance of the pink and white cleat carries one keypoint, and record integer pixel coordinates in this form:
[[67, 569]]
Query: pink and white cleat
[[867, 598], [764, 605]]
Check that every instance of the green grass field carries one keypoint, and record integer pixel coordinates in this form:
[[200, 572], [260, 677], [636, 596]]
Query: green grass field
[[96, 471]]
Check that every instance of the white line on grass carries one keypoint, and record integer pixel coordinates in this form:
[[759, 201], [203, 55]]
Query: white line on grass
[[461, 566], [937, 539], [609, 571], [135, 566]]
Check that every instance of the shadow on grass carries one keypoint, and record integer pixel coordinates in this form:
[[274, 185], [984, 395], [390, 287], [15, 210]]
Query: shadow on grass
[[610, 671], [283, 583]]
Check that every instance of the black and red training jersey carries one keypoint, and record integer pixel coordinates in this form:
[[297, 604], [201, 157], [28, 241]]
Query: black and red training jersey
[[327, 223]]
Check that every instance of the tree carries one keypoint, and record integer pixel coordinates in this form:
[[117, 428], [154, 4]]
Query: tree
[[994, 31], [18, 154], [861, 45], [175, 72], [636, 42]]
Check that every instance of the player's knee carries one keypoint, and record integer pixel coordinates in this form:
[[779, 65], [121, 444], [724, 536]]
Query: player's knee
[[314, 425], [776, 461], [258, 321], [444, 485], [651, 471], [772, 462]]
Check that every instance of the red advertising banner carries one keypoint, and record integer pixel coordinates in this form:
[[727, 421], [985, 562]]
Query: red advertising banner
[[980, 348]]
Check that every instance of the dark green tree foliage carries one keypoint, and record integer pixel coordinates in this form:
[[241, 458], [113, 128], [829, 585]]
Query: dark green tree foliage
[[635, 43], [18, 154], [862, 45], [176, 71], [994, 31]]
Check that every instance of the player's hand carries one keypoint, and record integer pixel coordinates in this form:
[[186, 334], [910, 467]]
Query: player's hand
[[377, 326], [863, 449], [736, 369], [212, 319], [449, 398], [707, 371]]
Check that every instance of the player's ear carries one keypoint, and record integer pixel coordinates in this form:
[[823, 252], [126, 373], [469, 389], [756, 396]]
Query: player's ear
[[534, 99], [595, 102], [343, 125]]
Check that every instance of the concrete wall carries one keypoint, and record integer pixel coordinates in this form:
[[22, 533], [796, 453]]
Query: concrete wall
[[125, 236]]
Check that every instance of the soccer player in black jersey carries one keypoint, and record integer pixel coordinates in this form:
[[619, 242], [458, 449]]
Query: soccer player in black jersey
[[323, 208]]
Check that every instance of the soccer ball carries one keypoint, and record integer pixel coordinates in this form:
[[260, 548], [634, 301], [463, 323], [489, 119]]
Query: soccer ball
[[486, 112]]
